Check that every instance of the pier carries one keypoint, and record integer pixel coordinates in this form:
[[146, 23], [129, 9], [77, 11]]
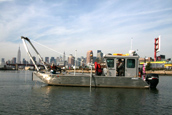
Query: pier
[[160, 72], [23, 65]]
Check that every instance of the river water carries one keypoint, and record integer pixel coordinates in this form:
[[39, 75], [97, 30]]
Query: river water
[[20, 95]]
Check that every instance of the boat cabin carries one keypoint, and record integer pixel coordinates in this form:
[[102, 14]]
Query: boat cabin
[[122, 65]]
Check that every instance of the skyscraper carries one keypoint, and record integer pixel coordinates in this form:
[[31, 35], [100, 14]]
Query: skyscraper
[[89, 56], [64, 57], [13, 60], [58, 60], [24, 61], [34, 59], [19, 56], [47, 60], [78, 62], [2, 61], [52, 60], [71, 59], [83, 60], [99, 56]]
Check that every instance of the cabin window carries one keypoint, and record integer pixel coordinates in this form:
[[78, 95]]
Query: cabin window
[[110, 62], [130, 63]]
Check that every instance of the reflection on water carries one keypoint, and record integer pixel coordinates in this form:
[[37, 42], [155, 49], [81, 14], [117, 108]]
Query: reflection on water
[[99, 100], [20, 95]]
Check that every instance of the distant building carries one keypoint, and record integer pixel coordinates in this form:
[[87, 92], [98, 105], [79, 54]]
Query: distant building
[[149, 59], [19, 56], [161, 58], [40, 60], [60, 58], [78, 62], [145, 59], [47, 60], [52, 60], [71, 59], [89, 57], [57, 60], [34, 59], [24, 61], [169, 59], [9, 62], [64, 57], [94, 59], [2, 61], [13, 61], [83, 61], [99, 56]]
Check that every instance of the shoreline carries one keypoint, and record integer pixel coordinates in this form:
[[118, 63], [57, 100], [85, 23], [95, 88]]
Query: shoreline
[[160, 72]]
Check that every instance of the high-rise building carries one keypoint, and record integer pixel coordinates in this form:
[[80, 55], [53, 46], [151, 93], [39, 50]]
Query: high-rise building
[[52, 60], [64, 57], [99, 56], [13, 61], [71, 59], [19, 56], [34, 59], [83, 61], [78, 62], [24, 61], [60, 58], [47, 60], [89, 57], [2, 61], [9, 62], [94, 59], [57, 60], [40, 62]]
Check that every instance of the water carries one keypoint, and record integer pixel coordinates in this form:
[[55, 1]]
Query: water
[[20, 95]]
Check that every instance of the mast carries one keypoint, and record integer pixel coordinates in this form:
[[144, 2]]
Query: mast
[[24, 43]]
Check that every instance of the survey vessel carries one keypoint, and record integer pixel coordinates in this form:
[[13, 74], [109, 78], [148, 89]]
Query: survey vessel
[[125, 76]]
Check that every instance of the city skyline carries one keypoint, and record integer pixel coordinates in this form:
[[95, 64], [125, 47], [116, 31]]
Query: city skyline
[[61, 60], [86, 25], [70, 59]]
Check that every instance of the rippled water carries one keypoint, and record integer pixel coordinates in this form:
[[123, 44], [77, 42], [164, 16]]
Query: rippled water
[[20, 95]]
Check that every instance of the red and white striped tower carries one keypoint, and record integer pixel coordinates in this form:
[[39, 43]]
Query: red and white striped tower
[[156, 47]]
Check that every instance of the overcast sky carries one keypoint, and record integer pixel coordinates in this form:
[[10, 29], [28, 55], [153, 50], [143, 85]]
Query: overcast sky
[[82, 25]]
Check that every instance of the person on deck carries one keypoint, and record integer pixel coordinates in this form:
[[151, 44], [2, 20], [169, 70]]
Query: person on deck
[[98, 69], [120, 68]]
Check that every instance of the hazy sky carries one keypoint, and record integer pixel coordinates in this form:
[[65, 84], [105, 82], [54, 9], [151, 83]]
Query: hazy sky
[[82, 25]]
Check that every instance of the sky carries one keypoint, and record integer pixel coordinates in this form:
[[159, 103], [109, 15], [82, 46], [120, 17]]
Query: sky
[[83, 25]]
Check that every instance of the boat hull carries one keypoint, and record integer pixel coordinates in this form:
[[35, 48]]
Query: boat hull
[[96, 81]]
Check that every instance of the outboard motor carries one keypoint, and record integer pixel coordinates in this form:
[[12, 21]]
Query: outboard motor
[[152, 80]]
